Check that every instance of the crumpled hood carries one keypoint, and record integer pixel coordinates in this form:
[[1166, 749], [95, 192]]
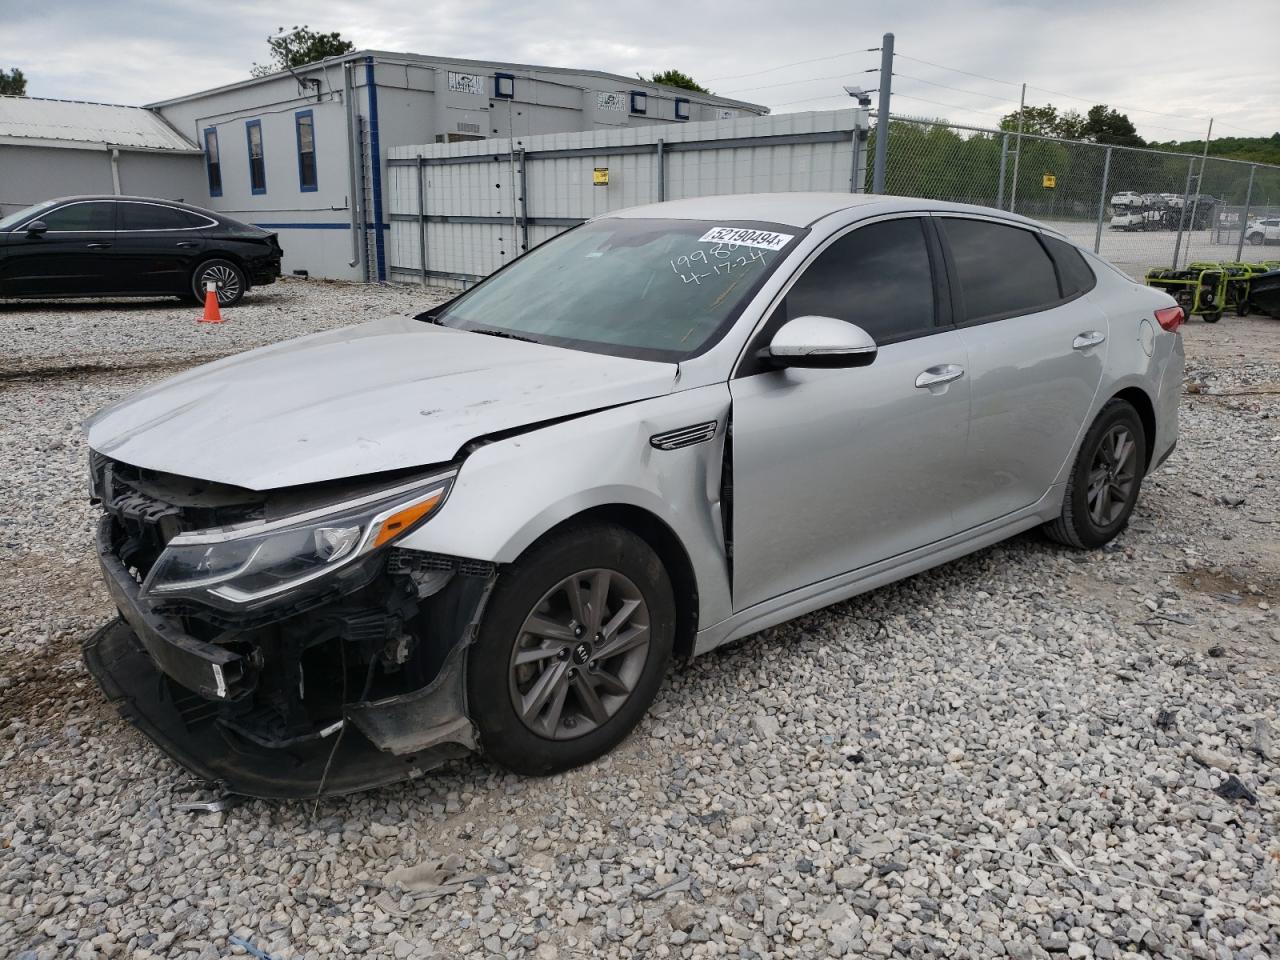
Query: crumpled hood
[[385, 395]]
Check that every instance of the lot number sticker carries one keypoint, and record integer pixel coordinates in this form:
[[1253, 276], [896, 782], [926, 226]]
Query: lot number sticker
[[764, 239]]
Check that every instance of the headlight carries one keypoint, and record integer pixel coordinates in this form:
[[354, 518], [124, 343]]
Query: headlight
[[252, 564]]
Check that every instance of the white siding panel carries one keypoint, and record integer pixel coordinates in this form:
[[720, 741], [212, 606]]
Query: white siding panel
[[563, 187]]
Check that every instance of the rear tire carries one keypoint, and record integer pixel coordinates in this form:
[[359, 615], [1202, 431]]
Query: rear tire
[[229, 280], [1257, 239], [1105, 480], [1212, 317], [543, 687]]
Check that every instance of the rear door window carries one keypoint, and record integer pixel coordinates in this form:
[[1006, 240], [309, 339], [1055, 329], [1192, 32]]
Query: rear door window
[[93, 216], [1003, 271], [153, 216], [878, 277]]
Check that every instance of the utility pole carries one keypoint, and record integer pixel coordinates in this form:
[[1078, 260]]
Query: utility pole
[[882, 114], [1017, 151]]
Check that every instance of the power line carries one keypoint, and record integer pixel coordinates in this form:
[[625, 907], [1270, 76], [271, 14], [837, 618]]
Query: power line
[[783, 66], [980, 76], [972, 93], [834, 96], [792, 83], [953, 106]]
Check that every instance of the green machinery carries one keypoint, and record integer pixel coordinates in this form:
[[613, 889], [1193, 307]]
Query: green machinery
[[1209, 289]]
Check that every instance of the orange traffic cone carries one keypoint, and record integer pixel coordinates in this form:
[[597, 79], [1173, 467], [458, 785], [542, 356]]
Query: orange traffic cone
[[211, 312]]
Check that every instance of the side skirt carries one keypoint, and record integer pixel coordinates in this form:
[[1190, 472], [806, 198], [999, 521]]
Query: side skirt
[[815, 596]]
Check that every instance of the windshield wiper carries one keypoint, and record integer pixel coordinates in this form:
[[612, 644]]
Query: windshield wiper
[[503, 334]]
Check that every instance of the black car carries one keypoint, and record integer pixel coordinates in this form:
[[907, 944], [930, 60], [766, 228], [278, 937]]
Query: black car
[[131, 246]]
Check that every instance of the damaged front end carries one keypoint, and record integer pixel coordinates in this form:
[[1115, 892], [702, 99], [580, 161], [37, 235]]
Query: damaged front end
[[280, 643]]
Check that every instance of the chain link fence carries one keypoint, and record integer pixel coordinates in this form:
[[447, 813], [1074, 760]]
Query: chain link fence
[[1139, 208]]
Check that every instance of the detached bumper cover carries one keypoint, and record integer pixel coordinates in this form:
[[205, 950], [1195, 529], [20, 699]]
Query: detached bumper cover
[[179, 722], [197, 699]]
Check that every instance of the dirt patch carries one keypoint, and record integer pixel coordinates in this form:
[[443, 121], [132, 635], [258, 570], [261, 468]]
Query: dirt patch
[[1232, 584]]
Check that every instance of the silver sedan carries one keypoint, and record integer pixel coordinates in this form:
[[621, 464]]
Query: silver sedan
[[342, 560]]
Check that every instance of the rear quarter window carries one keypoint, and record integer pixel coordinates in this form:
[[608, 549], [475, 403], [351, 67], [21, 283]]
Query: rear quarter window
[[1074, 273]]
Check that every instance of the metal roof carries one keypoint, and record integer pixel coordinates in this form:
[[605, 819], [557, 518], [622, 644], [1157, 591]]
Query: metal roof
[[428, 60], [74, 123]]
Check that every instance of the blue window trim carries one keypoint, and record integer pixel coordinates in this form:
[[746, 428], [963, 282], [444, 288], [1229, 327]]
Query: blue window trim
[[208, 161], [497, 88], [682, 108], [248, 143], [315, 164], [645, 100]]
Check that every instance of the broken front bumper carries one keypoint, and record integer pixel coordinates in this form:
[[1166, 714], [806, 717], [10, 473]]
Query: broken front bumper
[[181, 724], [238, 708]]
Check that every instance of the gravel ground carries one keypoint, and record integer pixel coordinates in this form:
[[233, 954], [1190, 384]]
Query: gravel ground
[[1030, 752]]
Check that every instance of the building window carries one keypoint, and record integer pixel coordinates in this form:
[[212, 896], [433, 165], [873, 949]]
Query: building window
[[682, 108], [305, 123], [504, 85], [257, 165], [212, 165], [639, 101]]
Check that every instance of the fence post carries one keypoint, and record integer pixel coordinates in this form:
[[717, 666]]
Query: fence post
[[861, 131], [882, 114], [422, 220], [524, 204], [1004, 156], [661, 160], [1182, 214], [1102, 202], [1017, 153], [1244, 217]]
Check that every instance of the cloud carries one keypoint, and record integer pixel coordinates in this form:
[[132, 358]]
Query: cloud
[[1143, 57]]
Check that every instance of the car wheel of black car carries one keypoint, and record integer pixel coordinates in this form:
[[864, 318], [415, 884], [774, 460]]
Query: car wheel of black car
[[228, 278], [571, 651], [1105, 480]]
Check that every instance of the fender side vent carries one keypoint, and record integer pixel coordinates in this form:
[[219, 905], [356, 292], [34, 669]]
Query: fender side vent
[[684, 436]]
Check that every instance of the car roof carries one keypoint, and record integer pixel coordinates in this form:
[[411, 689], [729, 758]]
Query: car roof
[[799, 209]]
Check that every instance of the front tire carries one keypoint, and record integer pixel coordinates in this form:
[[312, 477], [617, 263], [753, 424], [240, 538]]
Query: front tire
[[1257, 239], [1105, 480], [228, 279], [571, 650]]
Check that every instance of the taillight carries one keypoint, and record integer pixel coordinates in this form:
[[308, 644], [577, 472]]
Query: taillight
[[1171, 318]]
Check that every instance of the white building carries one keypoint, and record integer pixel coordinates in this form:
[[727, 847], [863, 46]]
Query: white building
[[303, 153], [295, 152]]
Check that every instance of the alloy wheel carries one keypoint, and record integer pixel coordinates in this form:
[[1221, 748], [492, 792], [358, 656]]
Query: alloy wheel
[[226, 282], [1112, 476], [579, 654]]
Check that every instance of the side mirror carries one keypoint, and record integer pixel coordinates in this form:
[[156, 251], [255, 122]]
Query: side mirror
[[37, 228], [820, 342]]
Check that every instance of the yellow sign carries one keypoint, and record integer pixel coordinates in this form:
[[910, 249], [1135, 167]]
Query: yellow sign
[[1050, 181], [600, 176]]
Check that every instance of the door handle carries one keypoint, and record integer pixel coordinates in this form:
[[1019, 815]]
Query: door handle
[[98, 246], [186, 244], [943, 373], [1088, 339]]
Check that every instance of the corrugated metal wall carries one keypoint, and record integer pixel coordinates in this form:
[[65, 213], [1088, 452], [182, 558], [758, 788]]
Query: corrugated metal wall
[[484, 199]]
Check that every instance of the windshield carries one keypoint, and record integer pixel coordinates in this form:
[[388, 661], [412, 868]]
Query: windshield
[[649, 289], [19, 216]]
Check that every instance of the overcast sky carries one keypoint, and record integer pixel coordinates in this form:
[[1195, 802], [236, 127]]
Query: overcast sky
[[1170, 64]]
